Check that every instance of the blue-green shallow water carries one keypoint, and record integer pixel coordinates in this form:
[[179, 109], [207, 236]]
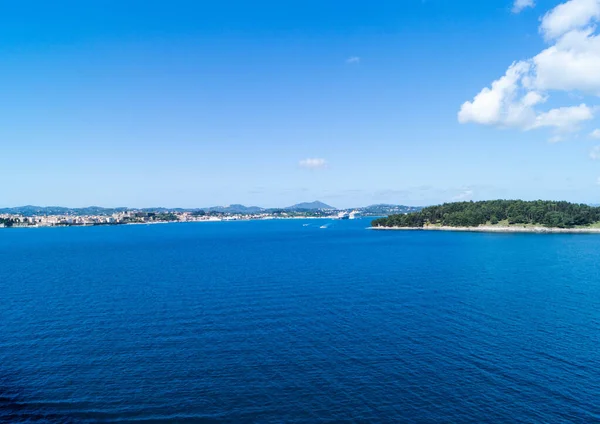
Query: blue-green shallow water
[[277, 322]]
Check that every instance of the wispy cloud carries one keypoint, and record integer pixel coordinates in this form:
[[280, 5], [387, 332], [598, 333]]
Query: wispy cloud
[[464, 195], [595, 133], [353, 60], [595, 153], [519, 5], [391, 193], [556, 138], [313, 163]]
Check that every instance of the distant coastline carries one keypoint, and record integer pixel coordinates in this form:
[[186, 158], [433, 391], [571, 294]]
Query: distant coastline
[[119, 224], [55, 216]]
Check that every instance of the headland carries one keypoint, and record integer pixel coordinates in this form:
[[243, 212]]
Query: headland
[[498, 216]]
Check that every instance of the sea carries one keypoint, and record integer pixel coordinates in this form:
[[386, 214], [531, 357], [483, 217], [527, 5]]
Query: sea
[[297, 321]]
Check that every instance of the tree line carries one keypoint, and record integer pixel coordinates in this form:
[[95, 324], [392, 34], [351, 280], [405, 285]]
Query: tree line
[[8, 222], [491, 212]]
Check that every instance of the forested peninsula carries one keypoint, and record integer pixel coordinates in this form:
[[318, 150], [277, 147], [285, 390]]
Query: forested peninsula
[[498, 214]]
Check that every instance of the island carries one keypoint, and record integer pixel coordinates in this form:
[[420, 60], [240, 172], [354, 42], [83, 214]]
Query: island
[[498, 216]]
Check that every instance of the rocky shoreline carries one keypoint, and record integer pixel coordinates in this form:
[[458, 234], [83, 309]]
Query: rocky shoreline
[[497, 229]]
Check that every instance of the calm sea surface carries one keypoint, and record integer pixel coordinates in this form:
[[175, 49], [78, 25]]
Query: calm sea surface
[[274, 321]]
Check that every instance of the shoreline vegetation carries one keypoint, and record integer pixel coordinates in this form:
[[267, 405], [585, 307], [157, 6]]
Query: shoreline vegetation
[[499, 216], [496, 229]]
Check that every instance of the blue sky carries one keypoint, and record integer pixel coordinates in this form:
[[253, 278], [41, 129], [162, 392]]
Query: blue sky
[[197, 103]]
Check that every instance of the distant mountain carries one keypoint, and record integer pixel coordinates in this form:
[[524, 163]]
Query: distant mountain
[[164, 210], [235, 209], [310, 206], [373, 210]]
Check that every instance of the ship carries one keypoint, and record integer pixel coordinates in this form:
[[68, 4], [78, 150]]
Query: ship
[[348, 215]]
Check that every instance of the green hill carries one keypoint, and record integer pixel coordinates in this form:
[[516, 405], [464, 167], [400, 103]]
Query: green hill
[[312, 206], [498, 212]]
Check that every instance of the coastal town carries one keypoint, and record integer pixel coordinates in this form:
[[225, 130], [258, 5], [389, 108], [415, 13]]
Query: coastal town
[[141, 217], [133, 217], [34, 216]]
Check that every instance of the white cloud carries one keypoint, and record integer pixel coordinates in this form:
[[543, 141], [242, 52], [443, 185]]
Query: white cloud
[[563, 118], [595, 133], [313, 163], [595, 153], [519, 5], [568, 16], [571, 64], [353, 60], [496, 105], [505, 105]]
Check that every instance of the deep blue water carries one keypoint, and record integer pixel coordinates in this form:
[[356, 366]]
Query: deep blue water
[[272, 321]]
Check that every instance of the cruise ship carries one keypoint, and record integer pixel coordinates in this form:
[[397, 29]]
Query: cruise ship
[[348, 215]]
